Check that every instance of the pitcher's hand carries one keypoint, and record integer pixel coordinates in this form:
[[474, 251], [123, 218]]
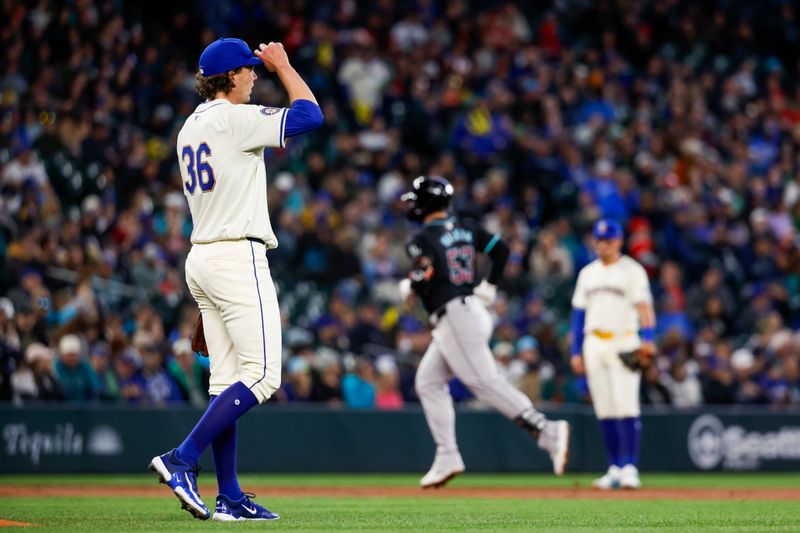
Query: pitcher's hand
[[272, 55]]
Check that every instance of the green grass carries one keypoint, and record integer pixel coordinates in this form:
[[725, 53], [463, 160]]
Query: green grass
[[412, 514], [471, 479], [162, 514]]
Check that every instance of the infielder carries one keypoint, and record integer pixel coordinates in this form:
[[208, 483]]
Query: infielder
[[443, 275], [221, 158], [613, 314]]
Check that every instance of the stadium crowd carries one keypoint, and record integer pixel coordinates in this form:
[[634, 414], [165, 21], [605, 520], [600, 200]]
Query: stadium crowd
[[679, 119]]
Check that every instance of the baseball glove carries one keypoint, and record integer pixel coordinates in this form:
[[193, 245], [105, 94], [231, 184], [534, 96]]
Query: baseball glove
[[199, 338], [635, 359]]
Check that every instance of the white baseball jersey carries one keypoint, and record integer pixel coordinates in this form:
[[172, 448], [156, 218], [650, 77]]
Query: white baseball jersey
[[609, 294], [221, 154]]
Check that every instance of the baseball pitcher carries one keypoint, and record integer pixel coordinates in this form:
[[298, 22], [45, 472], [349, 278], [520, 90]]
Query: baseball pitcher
[[444, 253], [613, 331], [221, 158]]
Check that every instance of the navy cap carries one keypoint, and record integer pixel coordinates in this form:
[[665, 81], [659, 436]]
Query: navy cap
[[226, 54], [606, 228]]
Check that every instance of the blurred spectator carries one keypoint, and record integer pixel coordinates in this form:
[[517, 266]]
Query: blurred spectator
[[367, 330], [358, 386], [481, 133], [9, 348], [100, 359], [74, 372], [683, 386], [31, 294], [713, 317], [549, 260], [29, 328], [364, 75], [380, 263], [387, 381], [537, 372], [327, 385], [35, 380], [297, 386], [534, 315], [331, 332], [745, 367], [159, 387], [641, 245], [718, 379], [670, 286], [128, 370], [603, 185], [8, 331], [515, 278], [412, 336], [653, 391], [511, 368], [187, 372], [711, 285], [672, 319]]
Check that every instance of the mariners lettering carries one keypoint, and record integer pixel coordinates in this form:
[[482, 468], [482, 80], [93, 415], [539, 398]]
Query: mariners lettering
[[606, 290], [457, 235]]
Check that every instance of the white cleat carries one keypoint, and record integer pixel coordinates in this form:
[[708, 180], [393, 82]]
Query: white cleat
[[629, 477], [444, 468], [554, 438], [610, 480]]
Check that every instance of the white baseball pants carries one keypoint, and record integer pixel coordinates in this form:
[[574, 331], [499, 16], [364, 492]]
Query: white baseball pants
[[613, 386], [460, 347], [231, 282]]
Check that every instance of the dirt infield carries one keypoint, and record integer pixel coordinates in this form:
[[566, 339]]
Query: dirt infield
[[583, 493]]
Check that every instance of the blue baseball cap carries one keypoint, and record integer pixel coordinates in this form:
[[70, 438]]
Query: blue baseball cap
[[606, 228], [226, 54]]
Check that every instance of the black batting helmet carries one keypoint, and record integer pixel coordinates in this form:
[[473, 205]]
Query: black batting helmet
[[427, 194]]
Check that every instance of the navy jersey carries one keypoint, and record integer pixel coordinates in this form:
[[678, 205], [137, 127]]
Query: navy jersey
[[445, 252]]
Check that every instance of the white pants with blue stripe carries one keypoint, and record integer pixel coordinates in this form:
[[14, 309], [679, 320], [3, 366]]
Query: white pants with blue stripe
[[231, 282]]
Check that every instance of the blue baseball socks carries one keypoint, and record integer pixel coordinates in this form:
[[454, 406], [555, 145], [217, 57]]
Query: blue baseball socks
[[611, 437], [630, 437], [218, 425], [622, 437], [223, 447]]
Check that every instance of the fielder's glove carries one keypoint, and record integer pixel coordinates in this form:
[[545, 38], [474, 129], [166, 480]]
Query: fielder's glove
[[636, 359], [486, 293], [199, 338]]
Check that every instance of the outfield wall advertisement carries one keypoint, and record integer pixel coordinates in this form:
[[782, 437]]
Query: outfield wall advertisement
[[713, 444], [312, 439]]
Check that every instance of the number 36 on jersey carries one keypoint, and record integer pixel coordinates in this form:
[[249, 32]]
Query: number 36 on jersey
[[199, 169]]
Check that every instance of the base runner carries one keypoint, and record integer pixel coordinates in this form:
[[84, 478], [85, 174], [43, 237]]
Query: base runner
[[444, 253]]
